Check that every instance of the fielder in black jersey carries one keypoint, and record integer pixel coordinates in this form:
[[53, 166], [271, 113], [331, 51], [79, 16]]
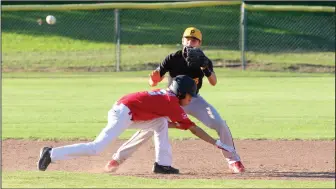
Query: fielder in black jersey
[[177, 64]]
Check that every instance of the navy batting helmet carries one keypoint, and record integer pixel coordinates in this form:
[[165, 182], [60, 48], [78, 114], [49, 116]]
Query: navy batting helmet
[[183, 85]]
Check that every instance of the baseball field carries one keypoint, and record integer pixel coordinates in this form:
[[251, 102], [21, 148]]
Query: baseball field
[[283, 125], [57, 89]]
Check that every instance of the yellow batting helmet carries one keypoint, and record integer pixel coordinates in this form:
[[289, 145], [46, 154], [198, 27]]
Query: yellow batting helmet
[[193, 32]]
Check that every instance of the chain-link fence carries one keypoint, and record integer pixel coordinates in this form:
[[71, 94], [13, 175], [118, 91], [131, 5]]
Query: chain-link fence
[[86, 40], [82, 40], [148, 36], [290, 38]]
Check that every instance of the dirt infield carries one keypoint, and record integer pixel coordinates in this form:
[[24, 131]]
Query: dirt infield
[[263, 159]]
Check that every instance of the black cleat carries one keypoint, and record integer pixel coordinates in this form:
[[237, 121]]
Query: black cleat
[[45, 159], [160, 169]]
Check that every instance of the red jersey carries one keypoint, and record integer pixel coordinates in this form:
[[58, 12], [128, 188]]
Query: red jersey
[[148, 105]]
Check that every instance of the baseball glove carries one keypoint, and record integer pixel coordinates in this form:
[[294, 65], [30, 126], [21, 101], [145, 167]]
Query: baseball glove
[[195, 57]]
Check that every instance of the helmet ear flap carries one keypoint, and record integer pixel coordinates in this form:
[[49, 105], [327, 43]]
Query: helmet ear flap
[[181, 95]]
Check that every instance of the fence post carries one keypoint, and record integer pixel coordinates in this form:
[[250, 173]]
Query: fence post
[[117, 38], [243, 34]]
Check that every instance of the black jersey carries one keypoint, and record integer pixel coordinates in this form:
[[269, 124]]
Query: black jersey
[[175, 64]]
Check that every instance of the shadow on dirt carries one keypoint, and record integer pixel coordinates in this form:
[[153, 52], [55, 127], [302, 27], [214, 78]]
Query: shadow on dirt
[[325, 175]]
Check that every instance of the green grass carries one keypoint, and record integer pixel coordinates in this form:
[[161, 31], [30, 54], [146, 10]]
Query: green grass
[[57, 53], [305, 38], [220, 72], [165, 26], [33, 179], [272, 105], [68, 106]]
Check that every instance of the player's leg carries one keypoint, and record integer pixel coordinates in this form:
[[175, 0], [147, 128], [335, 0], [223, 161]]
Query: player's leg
[[163, 153], [209, 116], [118, 120], [131, 145], [127, 149]]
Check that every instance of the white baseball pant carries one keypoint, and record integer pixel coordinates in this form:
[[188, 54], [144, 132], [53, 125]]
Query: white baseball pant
[[119, 119], [201, 110]]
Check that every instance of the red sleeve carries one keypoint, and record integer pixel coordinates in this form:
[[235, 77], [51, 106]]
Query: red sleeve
[[179, 116]]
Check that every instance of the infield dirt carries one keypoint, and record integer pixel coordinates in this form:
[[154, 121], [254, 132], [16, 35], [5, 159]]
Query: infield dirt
[[263, 159]]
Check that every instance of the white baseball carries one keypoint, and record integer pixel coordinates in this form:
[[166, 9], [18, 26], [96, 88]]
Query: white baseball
[[51, 19]]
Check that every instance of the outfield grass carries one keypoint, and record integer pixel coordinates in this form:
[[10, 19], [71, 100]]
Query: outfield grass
[[36, 53], [86, 38], [24, 179], [220, 26], [68, 106]]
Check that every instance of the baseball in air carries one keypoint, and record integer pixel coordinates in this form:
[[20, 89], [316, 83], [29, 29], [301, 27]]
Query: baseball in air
[[51, 19]]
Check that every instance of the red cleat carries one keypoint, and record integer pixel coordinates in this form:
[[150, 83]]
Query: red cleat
[[112, 166], [237, 167]]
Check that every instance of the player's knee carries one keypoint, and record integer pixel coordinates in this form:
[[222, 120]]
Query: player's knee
[[219, 124]]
